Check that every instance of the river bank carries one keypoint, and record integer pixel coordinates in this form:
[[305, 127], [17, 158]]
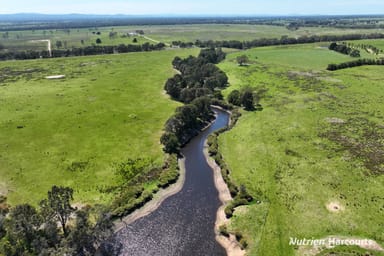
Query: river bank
[[230, 244], [157, 200], [163, 194], [181, 219]]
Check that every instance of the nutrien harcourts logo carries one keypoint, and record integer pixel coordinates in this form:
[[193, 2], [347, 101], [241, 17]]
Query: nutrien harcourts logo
[[331, 242]]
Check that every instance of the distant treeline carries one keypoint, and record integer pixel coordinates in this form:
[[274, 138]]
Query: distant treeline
[[39, 21], [355, 63], [286, 40], [198, 83], [81, 51]]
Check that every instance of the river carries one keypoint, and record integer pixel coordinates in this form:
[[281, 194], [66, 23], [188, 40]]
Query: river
[[184, 223]]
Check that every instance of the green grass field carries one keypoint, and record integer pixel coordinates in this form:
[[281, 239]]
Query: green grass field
[[72, 131], [165, 33], [315, 145], [29, 39]]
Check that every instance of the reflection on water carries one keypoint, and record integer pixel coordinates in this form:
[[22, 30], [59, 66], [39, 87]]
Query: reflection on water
[[184, 223]]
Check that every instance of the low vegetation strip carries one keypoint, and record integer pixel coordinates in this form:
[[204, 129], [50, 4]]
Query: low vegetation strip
[[286, 40], [81, 51], [356, 63]]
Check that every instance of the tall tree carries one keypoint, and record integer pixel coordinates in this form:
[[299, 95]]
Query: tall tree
[[22, 229], [247, 99], [171, 143], [241, 60], [58, 205], [234, 98]]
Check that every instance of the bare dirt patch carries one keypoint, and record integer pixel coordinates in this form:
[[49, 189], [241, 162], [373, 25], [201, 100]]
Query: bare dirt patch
[[335, 207]]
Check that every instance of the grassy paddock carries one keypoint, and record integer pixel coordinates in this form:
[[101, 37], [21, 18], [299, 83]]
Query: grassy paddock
[[19, 40], [28, 39], [296, 156], [72, 131]]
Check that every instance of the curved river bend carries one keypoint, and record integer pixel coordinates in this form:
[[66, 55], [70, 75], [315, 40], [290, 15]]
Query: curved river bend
[[184, 223]]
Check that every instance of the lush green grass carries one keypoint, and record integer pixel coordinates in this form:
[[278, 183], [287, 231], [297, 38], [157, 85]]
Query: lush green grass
[[71, 131], [285, 154]]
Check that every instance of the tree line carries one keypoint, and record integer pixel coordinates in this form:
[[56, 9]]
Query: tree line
[[81, 51], [284, 40], [355, 63], [344, 49], [198, 82], [55, 227]]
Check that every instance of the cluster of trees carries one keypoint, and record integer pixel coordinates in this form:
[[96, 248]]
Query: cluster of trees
[[246, 97], [355, 63], [54, 228], [182, 44], [185, 124], [284, 40], [82, 51], [198, 76], [198, 83], [344, 49]]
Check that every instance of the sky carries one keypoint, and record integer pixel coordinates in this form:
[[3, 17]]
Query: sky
[[194, 7]]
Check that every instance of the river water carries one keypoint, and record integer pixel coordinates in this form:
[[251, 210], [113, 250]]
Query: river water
[[184, 223]]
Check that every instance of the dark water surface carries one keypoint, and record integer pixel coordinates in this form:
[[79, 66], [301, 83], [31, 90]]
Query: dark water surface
[[184, 223]]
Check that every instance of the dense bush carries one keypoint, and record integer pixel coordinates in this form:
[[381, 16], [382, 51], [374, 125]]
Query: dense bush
[[344, 49], [198, 86], [30, 230], [355, 63], [223, 230], [199, 76]]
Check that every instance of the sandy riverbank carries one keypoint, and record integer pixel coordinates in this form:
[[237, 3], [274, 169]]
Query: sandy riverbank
[[230, 244]]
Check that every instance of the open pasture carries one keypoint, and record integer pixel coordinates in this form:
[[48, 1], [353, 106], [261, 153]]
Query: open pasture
[[312, 155], [71, 131]]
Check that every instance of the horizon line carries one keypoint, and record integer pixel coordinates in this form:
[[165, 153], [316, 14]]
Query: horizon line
[[189, 15]]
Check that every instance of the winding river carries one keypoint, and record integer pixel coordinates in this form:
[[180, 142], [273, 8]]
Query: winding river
[[184, 223]]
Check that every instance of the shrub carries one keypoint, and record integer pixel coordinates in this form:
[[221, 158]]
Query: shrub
[[223, 230]]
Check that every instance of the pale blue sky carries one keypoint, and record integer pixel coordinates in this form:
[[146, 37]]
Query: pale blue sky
[[219, 7]]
